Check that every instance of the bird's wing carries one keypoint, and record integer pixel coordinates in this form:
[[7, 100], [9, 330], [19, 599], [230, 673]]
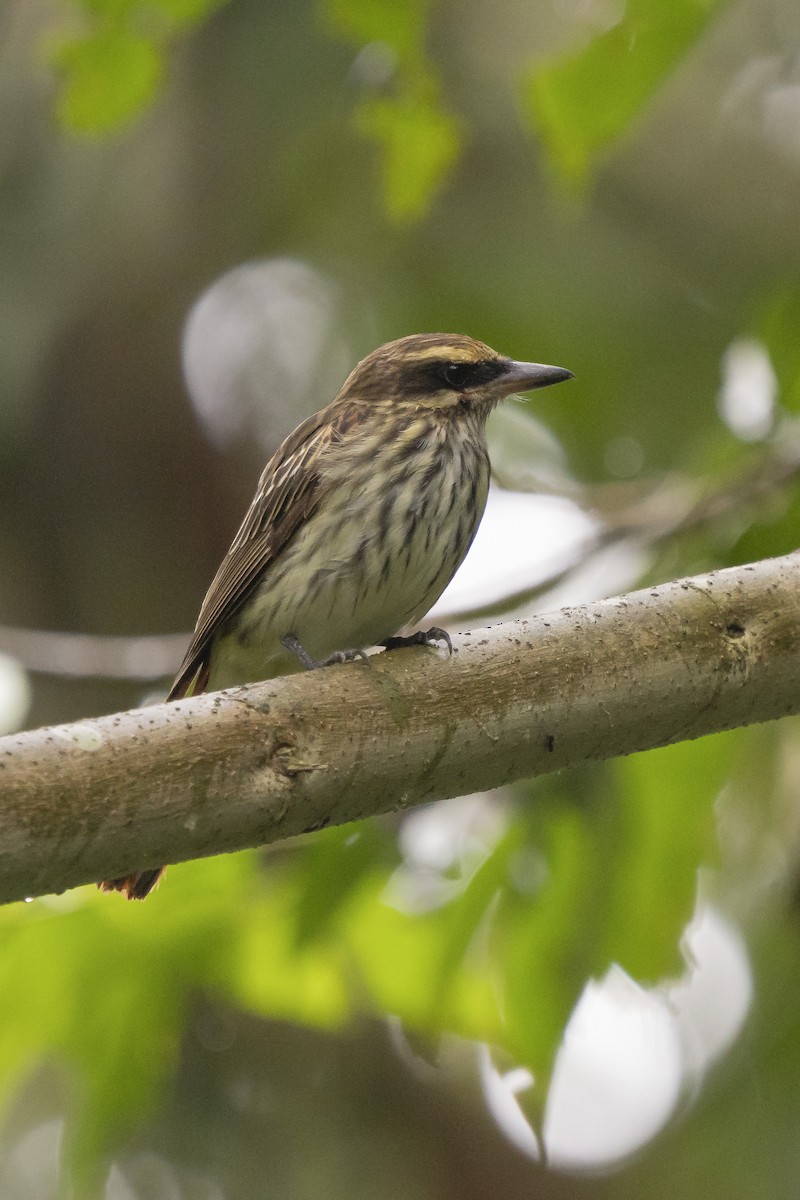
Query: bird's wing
[[288, 492]]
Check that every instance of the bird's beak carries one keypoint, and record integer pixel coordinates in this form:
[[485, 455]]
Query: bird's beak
[[524, 377]]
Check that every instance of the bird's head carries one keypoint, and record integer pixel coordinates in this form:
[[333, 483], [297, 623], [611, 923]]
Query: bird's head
[[441, 371]]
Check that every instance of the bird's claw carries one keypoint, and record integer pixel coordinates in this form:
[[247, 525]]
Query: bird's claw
[[423, 637], [293, 643], [343, 656]]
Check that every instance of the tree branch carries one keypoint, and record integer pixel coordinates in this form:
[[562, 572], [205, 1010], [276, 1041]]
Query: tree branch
[[255, 764]]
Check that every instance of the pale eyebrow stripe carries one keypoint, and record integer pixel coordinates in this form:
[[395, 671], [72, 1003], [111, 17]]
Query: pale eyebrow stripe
[[455, 354]]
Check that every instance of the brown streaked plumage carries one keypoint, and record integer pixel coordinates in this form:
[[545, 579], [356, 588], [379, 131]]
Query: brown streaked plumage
[[360, 519]]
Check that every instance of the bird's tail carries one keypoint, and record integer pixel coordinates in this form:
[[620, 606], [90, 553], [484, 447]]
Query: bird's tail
[[135, 886]]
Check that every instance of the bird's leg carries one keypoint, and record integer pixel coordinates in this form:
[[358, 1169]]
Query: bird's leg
[[423, 637], [293, 643]]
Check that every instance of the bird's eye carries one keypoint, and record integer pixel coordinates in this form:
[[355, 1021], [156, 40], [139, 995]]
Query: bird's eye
[[458, 375]]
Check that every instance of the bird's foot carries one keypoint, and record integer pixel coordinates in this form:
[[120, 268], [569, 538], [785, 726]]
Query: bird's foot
[[423, 637], [293, 643]]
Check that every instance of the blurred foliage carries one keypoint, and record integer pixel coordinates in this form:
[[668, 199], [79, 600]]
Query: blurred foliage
[[777, 326], [686, 243], [112, 69], [419, 143], [418, 138], [582, 102], [88, 102]]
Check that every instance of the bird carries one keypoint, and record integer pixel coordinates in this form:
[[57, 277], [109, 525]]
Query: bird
[[361, 518]]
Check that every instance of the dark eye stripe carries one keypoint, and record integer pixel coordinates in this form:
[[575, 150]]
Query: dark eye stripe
[[461, 375], [433, 375]]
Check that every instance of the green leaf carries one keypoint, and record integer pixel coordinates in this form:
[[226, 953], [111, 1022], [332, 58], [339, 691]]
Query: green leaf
[[102, 987], [404, 962], [334, 864], [112, 72], [614, 881], [543, 940], [275, 978], [582, 102], [418, 138], [420, 144], [109, 77], [666, 832]]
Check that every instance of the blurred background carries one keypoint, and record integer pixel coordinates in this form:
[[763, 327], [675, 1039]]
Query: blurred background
[[585, 986]]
